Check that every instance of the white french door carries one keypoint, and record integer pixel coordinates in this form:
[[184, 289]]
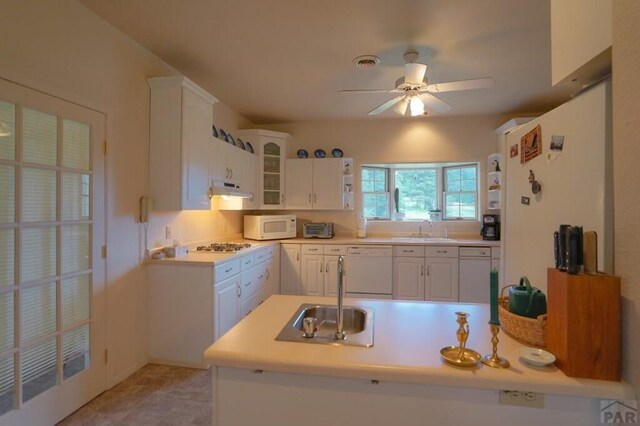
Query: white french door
[[52, 274]]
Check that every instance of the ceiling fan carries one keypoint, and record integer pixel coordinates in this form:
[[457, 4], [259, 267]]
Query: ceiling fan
[[416, 92]]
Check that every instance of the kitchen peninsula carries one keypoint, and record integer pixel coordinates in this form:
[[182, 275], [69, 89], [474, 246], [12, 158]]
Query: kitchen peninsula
[[400, 380]]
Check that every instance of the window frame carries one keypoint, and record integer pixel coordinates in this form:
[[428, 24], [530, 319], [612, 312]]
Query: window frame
[[387, 193], [459, 193]]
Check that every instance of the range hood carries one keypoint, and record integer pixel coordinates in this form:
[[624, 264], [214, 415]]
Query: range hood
[[219, 189]]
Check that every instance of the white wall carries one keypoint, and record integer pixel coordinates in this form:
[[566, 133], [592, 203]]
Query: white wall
[[426, 139], [626, 128], [61, 48]]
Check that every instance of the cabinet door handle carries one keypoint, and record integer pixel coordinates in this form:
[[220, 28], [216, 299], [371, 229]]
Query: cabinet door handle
[[422, 270], [315, 198], [268, 274], [231, 170], [239, 291], [327, 267], [321, 267], [309, 198], [428, 270], [298, 257]]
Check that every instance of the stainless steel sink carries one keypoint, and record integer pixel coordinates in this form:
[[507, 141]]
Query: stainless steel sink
[[358, 325]]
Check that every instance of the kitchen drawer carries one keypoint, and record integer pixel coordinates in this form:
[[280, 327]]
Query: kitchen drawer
[[475, 251], [495, 252], [226, 270], [249, 283], [247, 261], [335, 250], [312, 248], [408, 251], [268, 251], [260, 255], [441, 251]]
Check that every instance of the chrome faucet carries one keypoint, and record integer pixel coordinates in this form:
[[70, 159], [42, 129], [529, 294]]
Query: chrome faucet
[[420, 235], [340, 335]]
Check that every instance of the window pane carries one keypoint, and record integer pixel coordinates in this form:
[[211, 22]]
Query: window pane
[[7, 132], [452, 205], [7, 194], [37, 311], [39, 137], [453, 185], [7, 254], [380, 175], [367, 174], [75, 249], [75, 300], [468, 185], [467, 205], [453, 174], [468, 173], [367, 186], [418, 192], [75, 351], [75, 145], [380, 186], [382, 211], [38, 369], [6, 321], [38, 195], [6, 384], [369, 211], [38, 253], [75, 196]]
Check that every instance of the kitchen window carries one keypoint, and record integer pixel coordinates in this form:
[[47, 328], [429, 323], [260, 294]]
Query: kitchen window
[[410, 191]]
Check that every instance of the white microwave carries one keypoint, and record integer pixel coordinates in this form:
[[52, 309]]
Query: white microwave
[[269, 227]]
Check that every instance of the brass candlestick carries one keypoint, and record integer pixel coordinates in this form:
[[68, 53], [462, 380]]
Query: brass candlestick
[[494, 360]]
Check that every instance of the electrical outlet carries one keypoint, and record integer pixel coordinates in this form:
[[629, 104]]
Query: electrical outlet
[[521, 398], [168, 234]]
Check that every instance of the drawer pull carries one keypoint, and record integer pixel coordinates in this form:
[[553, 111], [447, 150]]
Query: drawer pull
[[407, 251], [246, 262], [248, 284], [226, 271], [313, 249], [261, 277], [442, 251]]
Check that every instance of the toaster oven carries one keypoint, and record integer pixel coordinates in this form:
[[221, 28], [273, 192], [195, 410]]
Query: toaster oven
[[317, 230]]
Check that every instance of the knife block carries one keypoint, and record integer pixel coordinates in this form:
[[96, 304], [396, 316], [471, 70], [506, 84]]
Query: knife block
[[584, 324]]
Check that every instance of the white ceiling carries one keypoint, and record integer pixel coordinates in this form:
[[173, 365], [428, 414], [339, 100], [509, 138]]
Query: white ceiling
[[277, 61]]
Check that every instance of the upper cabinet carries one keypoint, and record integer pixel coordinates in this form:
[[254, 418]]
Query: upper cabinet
[[180, 144], [272, 149], [319, 184], [580, 41]]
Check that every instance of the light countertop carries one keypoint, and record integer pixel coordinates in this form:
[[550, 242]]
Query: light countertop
[[408, 337], [395, 241], [212, 258]]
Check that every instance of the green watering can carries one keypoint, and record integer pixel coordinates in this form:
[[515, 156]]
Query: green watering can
[[526, 300]]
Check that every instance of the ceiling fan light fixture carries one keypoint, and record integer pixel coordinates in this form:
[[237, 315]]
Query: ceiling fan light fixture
[[416, 106]]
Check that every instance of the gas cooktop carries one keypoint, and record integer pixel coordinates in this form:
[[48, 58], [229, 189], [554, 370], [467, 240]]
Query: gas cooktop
[[222, 247]]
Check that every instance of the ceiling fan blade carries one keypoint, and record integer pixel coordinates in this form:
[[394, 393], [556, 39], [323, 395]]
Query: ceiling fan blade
[[434, 103], [385, 106], [369, 91], [414, 72], [476, 83], [401, 107]]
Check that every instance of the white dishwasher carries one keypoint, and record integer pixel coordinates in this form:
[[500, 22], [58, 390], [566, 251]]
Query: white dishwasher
[[475, 269], [369, 271]]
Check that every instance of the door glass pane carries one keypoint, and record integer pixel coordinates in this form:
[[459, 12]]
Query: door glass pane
[[6, 321], [6, 384], [38, 253], [37, 311], [271, 149], [271, 198], [75, 196], [75, 351], [38, 369], [272, 182], [75, 248], [7, 194], [38, 195], [75, 300], [7, 131], [7, 248], [39, 137], [75, 145], [272, 164]]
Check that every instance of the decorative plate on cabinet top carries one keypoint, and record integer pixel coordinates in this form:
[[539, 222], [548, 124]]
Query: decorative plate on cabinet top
[[337, 153], [319, 153], [249, 147], [223, 135], [214, 131], [231, 140], [240, 144], [302, 153]]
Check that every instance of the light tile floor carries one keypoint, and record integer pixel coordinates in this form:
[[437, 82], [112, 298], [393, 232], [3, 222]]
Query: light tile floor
[[154, 395]]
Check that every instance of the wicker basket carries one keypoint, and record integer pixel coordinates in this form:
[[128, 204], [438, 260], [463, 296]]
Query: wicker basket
[[530, 331]]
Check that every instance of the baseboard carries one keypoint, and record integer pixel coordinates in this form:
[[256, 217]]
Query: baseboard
[[125, 374]]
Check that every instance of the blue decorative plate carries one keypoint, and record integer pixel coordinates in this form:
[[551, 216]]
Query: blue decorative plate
[[302, 153], [223, 135], [319, 153], [337, 153], [214, 131], [249, 147], [240, 144], [231, 140]]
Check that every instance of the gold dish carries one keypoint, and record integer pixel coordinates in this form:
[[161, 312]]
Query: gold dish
[[465, 358]]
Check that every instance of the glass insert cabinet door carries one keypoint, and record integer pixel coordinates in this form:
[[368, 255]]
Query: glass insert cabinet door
[[272, 181], [52, 337]]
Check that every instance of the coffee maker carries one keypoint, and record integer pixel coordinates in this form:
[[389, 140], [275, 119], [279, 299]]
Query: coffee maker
[[490, 227]]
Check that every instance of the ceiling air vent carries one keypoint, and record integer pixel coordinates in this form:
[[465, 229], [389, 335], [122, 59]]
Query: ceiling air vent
[[366, 61]]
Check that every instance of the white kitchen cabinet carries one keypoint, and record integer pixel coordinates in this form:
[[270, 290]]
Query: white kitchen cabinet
[[272, 268], [290, 274], [474, 279], [180, 144], [330, 275], [441, 281], [312, 274], [226, 294], [409, 278], [316, 184], [249, 175], [272, 149]]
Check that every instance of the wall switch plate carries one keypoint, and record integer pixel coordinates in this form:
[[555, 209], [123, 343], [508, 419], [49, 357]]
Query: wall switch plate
[[168, 234], [521, 398]]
